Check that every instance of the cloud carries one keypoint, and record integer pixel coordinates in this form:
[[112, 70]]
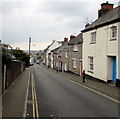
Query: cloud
[[45, 20]]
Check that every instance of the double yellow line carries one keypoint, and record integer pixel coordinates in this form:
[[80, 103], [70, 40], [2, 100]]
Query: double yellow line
[[34, 99]]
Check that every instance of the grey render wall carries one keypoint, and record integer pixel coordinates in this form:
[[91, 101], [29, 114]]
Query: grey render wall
[[77, 55]]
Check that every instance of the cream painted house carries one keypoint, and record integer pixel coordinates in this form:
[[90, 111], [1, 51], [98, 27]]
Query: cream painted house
[[101, 45], [48, 57]]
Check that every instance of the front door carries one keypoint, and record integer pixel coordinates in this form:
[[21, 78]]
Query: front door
[[114, 70], [81, 68]]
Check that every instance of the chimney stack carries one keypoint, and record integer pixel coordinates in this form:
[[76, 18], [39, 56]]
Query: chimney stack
[[71, 37], [105, 7], [65, 39]]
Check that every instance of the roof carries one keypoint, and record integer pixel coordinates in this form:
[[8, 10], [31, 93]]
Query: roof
[[54, 50], [64, 46], [110, 17], [78, 39], [51, 45]]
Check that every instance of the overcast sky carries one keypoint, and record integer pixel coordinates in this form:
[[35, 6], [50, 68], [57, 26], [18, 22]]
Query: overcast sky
[[45, 21]]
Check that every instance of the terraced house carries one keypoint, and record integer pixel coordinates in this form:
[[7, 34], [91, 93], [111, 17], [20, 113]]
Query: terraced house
[[101, 46], [48, 55], [55, 57], [63, 56], [75, 54]]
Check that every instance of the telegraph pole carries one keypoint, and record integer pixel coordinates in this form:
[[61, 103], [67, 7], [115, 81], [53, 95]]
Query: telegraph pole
[[29, 45]]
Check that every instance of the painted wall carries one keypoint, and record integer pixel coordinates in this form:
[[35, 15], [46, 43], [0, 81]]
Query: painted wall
[[75, 55], [100, 52], [55, 45], [63, 59]]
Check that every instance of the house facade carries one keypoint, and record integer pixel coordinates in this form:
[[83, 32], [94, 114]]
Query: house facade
[[75, 54], [101, 46], [55, 57], [49, 55], [63, 56]]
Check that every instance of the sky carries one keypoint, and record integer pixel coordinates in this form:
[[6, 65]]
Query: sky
[[44, 20]]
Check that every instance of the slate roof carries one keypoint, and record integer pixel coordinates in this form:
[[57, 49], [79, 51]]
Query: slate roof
[[110, 17], [64, 47], [78, 39], [56, 49]]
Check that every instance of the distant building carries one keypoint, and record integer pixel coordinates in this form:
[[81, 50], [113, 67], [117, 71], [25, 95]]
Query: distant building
[[48, 55], [63, 56], [101, 45], [56, 58]]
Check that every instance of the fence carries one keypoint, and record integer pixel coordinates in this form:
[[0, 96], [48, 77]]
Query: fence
[[11, 72]]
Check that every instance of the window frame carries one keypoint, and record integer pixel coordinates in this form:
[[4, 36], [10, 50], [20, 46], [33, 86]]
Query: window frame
[[113, 33], [74, 63], [75, 48], [90, 64], [93, 37], [66, 54]]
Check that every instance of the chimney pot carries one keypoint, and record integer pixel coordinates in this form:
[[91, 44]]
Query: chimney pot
[[71, 37]]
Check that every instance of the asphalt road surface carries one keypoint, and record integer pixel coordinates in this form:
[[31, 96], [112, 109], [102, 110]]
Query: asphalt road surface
[[58, 97]]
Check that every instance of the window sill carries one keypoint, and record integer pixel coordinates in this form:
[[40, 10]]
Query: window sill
[[74, 67], [92, 42], [90, 71], [75, 50], [112, 39]]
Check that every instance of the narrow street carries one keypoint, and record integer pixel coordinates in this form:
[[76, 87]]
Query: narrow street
[[56, 96]]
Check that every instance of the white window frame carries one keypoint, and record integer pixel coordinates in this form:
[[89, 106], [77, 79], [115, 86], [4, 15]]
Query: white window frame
[[65, 67], [90, 64], [93, 37], [66, 54], [75, 48], [74, 63], [113, 32]]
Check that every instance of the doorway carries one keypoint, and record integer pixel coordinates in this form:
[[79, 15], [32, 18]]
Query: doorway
[[114, 70], [111, 68]]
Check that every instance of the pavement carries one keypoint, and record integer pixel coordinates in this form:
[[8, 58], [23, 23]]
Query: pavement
[[108, 89], [13, 99]]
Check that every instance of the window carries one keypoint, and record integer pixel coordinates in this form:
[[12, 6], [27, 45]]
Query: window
[[90, 64], [66, 54], [114, 32], [75, 48], [74, 63], [93, 37]]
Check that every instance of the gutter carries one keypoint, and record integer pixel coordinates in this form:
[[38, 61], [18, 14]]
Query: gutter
[[101, 25]]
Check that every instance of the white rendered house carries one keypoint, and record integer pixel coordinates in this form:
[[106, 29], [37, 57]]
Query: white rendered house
[[101, 45], [49, 60]]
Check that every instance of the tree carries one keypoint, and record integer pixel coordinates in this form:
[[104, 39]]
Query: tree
[[39, 57], [21, 56], [6, 56]]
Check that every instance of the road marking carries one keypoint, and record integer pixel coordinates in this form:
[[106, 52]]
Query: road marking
[[37, 114], [34, 98], [26, 99], [117, 101], [108, 97]]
